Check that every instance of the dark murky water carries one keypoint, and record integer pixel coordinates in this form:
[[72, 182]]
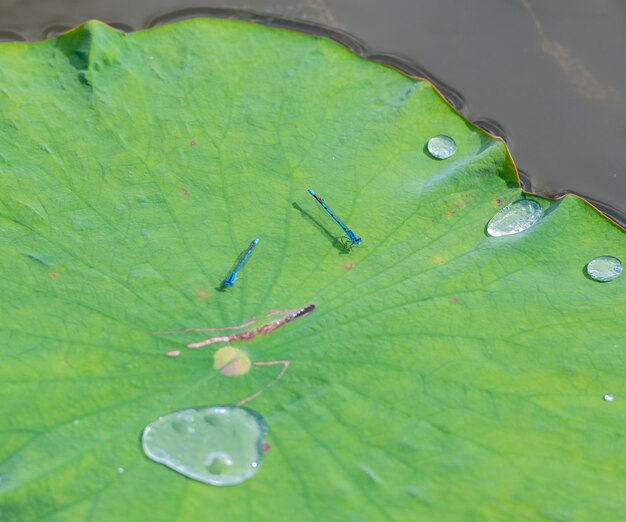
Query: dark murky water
[[550, 73]]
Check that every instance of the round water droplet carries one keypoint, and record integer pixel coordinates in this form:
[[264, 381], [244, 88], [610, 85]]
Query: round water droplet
[[604, 268], [609, 397], [441, 147], [514, 218], [121, 470], [225, 448]]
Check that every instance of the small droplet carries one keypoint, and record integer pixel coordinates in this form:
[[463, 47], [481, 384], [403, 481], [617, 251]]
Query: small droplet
[[609, 397], [120, 470], [411, 490], [441, 147], [224, 448], [604, 268], [514, 218], [371, 474], [76, 422], [183, 422]]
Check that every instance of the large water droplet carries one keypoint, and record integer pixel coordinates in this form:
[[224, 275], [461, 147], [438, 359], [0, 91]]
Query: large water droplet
[[604, 268], [514, 218], [441, 147], [225, 446], [609, 397]]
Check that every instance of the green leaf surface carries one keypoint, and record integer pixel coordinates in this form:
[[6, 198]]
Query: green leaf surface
[[445, 374]]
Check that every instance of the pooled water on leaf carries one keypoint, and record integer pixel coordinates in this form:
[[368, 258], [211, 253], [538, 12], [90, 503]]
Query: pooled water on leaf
[[604, 268], [514, 218], [609, 397], [441, 147], [219, 445]]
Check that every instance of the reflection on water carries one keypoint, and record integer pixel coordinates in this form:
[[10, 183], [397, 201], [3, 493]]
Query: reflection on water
[[8, 36]]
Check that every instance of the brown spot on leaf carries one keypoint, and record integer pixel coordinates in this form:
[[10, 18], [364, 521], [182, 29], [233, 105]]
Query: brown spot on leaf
[[438, 260], [454, 300], [203, 293], [452, 213], [296, 126], [192, 143], [266, 447], [348, 266], [54, 275], [184, 191]]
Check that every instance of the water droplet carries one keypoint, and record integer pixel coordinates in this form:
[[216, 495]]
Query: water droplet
[[604, 268], [225, 447], [514, 218], [120, 470], [609, 397], [219, 462], [371, 474], [441, 147], [411, 490], [76, 422], [184, 422]]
